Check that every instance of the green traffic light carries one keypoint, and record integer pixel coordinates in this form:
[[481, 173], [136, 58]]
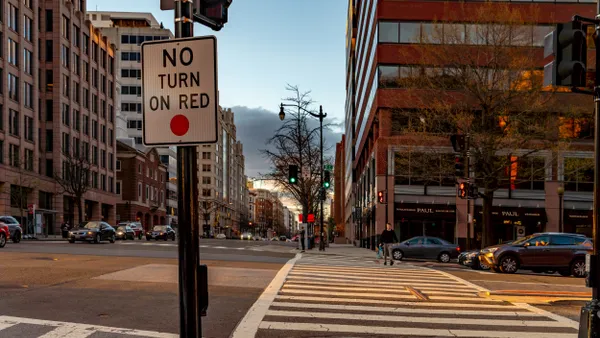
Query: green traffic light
[[326, 184], [292, 180]]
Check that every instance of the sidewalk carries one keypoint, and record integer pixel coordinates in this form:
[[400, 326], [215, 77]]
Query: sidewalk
[[43, 238]]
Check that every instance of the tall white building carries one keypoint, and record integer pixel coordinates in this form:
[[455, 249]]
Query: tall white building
[[128, 30], [222, 178]]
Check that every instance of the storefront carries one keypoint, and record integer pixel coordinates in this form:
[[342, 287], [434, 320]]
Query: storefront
[[415, 219], [512, 222], [578, 221]]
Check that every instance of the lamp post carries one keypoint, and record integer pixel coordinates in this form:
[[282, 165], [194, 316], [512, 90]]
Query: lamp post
[[561, 192], [320, 116]]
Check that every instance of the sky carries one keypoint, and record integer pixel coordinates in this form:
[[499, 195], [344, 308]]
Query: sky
[[265, 45]]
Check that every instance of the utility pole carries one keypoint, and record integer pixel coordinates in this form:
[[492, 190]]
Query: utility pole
[[322, 180], [468, 169]]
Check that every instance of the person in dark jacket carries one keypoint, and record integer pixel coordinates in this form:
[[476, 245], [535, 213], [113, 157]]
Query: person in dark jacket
[[388, 237]]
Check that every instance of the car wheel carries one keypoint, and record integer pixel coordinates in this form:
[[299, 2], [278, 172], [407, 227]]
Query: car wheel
[[112, 238], [2, 240], [97, 239], [444, 257], [397, 255], [17, 237], [565, 273], [509, 264], [578, 268], [483, 266]]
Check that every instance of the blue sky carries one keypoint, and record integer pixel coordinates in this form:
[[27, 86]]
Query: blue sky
[[268, 43]]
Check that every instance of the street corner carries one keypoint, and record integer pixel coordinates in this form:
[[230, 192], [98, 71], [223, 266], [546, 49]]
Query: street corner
[[536, 297]]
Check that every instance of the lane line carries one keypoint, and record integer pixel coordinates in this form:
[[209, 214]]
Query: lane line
[[409, 319], [405, 331], [397, 303], [69, 331], [453, 312], [249, 325]]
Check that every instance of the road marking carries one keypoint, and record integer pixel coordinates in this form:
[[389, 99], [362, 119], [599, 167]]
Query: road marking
[[64, 327], [350, 294], [311, 280], [472, 293], [411, 310], [410, 319], [5, 325], [324, 287], [382, 272], [405, 331], [528, 283], [346, 286], [565, 321], [476, 299], [354, 277], [249, 325], [460, 280], [397, 303]]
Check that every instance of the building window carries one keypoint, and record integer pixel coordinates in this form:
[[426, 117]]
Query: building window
[[28, 61], [86, 71], [94, 155], [103, 182], [66, 114], [49, 140], [118, 188], [28, 159], [110, 161], [66, 143], [13, 87], [205, 155], [118, 165], [205, 179], [13, 52], [134, 124], [64, 55], [205, 192], [14, 155], [66, 85], [49, 21], [139, 191], [206, 167], [29, 128], [86, 44], [76, 90], [76, 63], [76, 36], [27, 28], [28, 95], [13, 122], [111, 184], [86, 98], [86, 125], [103, 134], [13, 18], [95, 129], [147, 192], [103, 158]]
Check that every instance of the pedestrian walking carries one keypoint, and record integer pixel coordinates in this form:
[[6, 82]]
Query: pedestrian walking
[[388, 237], [65, 230]]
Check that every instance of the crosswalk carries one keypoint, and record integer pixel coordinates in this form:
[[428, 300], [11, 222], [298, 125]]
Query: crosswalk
[[337, 296], [17, 327]]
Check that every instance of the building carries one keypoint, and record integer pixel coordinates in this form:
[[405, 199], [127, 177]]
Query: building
[[222, 179], [379, 35], [251, 207], [43, 125], [338, 206], [141, 185], [289, 221], [128, 30]]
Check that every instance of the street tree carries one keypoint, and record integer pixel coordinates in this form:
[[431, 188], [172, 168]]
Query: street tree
[[207, 206], [483, 81], [73, 177], [22, 185], [297, 143]]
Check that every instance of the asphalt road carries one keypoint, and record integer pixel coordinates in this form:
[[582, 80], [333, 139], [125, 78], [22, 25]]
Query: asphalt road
[[132, 284]]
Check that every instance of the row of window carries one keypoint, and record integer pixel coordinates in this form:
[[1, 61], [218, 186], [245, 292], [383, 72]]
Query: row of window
[[131, 90], [139, 39], [131, 73], [131, 56], [94, 180], [131, 107], [152, 193], [462, 33], [105, 138], [14, 124], [14, 156]]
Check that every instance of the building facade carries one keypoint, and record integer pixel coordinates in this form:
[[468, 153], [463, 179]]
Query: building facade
[[42, 126], [141, 185], [222, 178], [128, 31], [337, 205], [380, 35]]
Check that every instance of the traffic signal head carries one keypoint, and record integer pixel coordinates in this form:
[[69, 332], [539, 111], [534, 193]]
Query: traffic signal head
[[293, 174], [459, 166], [458, 143], [463, 190], [216, 10], [381, 196], [326, 179], [569, 46]]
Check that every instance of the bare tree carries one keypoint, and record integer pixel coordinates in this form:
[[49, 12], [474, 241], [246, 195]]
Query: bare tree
[[483, 81], [74, 176], [295, 143], [22, 185], [206, 207]]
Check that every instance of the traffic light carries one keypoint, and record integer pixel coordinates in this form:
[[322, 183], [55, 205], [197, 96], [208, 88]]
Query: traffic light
[[458, 143], [293, 174], [569, 46], [381, 197], [459, 166], [326, 179], [323, 194], [463, 190], [473, 191], [216, 10]]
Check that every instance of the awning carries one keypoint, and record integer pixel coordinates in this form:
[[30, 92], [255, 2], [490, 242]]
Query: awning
[[512, 214], [425, 211]]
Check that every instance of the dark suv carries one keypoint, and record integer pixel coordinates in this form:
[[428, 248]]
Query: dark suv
[[540, 252]]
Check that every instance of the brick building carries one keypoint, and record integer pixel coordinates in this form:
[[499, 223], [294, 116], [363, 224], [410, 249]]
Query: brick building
[[380, 37], [141, 185], [338, 189], [57, 99]]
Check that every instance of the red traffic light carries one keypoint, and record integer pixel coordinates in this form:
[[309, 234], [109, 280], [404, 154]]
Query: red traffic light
[[381, 196], [462, 190]]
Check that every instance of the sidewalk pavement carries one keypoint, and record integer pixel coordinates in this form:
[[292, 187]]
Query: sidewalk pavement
[[43, 238]]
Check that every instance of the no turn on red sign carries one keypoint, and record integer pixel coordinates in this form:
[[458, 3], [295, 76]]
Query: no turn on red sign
[[179, 86]]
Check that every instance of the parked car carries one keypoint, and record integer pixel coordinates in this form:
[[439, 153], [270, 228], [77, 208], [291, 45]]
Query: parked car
[[540, 252], [95, 231], [4, 234], [283, 238], [275, 239], [471, 259], [125, 232], [221, 236], [16, 232], [246, 235], [137, 228], [425, 247], [161, 232]]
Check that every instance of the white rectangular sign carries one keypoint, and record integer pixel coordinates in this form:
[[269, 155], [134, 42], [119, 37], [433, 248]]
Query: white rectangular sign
[[179, 85]]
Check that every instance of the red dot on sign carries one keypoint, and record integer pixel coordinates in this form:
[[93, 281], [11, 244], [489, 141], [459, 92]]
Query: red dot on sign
[[180, 125]]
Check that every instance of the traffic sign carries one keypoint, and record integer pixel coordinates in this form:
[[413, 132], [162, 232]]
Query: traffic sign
[[179, 83], [328, 167]]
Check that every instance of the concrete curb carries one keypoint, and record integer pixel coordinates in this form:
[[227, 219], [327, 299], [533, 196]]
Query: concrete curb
[[569, 294]]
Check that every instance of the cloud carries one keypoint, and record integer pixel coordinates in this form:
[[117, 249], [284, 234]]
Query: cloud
[[255, 126]]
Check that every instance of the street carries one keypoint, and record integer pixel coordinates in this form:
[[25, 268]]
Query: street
[[130, 288]]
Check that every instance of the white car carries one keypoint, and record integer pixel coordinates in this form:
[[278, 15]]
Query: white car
[[221, 236]]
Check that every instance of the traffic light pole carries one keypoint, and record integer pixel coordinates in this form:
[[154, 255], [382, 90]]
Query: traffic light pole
[[589, 324], [468, 170], [187, 204]]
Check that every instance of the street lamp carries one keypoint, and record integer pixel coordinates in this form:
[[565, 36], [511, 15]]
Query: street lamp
[[320, 116], [561, 193]]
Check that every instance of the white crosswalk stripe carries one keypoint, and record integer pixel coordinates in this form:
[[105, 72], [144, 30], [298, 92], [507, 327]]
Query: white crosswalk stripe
[[10, 326], [343, 296]]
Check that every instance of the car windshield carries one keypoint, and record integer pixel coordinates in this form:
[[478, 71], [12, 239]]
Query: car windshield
[[122, 228], [160, 228], [92, 225]]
